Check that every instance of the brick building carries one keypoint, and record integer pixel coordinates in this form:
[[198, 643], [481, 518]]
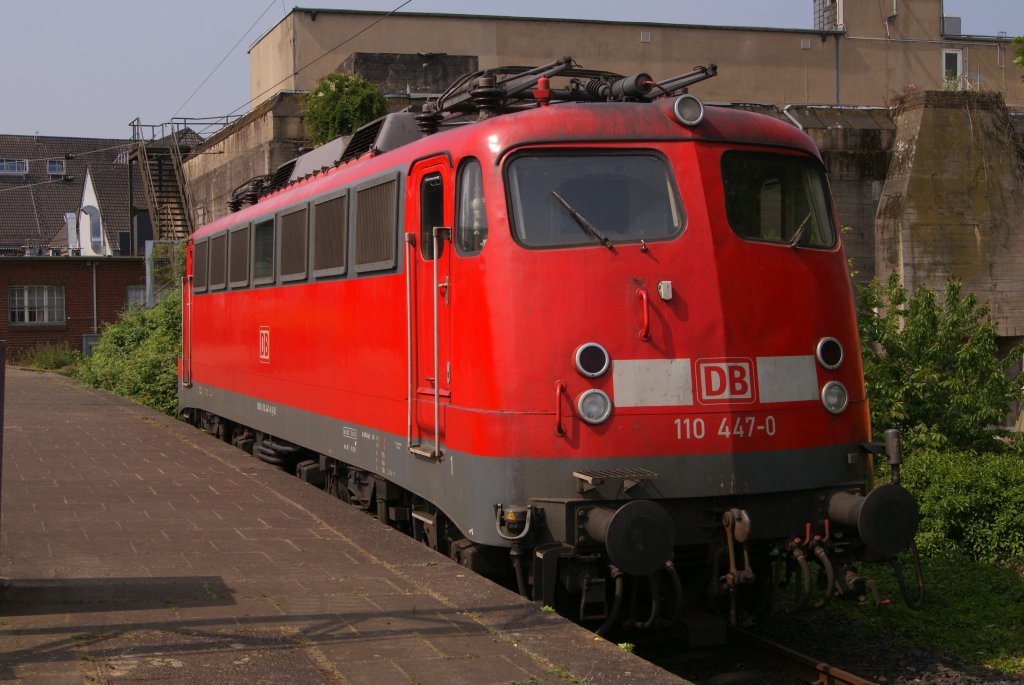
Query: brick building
[[51, 300]]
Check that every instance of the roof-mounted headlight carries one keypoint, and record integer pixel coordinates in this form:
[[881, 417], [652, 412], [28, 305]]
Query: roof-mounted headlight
[[689, 110], [594, 406]]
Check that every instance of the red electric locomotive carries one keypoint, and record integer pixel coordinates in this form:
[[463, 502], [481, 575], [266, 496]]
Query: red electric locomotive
[[593, 333]]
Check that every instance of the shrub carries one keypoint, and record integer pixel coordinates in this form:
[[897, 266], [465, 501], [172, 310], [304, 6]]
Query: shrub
[[137, 356], [970, 502], [51, 357], [340, 104], [932, 369]]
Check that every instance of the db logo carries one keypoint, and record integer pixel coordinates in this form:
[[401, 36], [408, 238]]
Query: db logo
[[264, 344], [725, 380]]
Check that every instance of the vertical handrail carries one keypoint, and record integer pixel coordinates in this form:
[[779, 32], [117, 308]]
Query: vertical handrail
[[186, 333], [437, 356], [410, 243]]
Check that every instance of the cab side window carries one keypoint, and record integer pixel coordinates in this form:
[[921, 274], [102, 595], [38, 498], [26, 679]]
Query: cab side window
[[471, 210], [431, 214]]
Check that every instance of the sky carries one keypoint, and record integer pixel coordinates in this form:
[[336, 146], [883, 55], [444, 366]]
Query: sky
[[87, 69]]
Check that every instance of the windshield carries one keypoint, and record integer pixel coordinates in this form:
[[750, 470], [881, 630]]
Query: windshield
[[564, 199], [777, 198]]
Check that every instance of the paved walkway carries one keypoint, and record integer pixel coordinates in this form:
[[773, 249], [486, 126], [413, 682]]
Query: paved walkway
[[137, 549]]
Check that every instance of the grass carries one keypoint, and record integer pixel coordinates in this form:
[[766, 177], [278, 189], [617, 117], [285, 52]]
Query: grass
[[972, 610], [49, 357]]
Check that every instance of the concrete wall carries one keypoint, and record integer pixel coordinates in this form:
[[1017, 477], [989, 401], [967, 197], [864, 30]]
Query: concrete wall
[[953, 201], [113, 276], [871, 63], [255, 145]]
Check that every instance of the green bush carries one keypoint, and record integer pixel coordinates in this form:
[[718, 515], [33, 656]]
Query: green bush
[[970, 502], [137, 356], [339, 105], [932, 369]]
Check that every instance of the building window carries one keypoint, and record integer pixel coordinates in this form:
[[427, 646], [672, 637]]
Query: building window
[[135, 296], [952, 69], [35, 304], [55, 167], [13, 166]]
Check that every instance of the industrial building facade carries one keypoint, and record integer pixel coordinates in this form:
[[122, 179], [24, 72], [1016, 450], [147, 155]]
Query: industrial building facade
[[860, 53]]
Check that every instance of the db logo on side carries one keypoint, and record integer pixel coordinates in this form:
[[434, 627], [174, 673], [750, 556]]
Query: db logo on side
[[264, 344], [725, 380]]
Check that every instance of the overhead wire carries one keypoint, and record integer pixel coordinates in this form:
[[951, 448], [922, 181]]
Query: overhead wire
[[322, 55], [223, 59]]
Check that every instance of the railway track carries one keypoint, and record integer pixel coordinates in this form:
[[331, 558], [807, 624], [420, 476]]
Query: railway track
[[784, 660]]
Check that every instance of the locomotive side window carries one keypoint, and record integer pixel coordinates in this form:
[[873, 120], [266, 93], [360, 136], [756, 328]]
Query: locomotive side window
[[218, 261], [263, 252], [294, 251], [330, 236], [431, 214], [777, 199], [199, 266], [471, 212], [565, 198], [376, 226], [238, 257]]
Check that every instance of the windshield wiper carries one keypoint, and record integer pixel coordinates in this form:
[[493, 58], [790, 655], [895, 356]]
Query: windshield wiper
[[800, 230], [588, 228]]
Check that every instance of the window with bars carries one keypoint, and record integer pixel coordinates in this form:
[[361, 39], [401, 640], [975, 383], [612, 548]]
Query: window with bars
[[35, 304]]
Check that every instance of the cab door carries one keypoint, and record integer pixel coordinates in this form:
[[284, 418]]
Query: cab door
[[428, 258]]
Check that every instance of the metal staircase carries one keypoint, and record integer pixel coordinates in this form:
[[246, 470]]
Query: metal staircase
[[159, 151]]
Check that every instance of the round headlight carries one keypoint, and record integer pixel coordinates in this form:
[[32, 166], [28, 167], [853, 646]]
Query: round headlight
[[594, 406], [829, 353], [689, 110], [834, 397], [592, 360]]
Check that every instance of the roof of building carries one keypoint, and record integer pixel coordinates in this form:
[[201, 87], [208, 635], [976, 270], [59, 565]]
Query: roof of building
[[33, 204]]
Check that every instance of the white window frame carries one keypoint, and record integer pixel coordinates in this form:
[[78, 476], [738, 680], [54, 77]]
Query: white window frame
[[35, 305], [14, 166], [56, 167]]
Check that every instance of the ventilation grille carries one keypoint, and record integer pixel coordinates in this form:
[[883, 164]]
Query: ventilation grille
[[363, 140], [238, 257], [199, 265], [218, 260], [293, 244], [376, 226], [330, 222]]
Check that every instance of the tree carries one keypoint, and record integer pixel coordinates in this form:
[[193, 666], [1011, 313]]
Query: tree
[[340, 104], [933, 369], [1018, 54]]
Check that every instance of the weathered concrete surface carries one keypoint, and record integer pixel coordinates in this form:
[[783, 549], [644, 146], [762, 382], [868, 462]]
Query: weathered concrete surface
[[953, 201], [138, 549]]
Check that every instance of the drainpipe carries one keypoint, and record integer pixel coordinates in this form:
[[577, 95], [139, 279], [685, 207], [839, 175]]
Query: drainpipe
[[95, 328], [838, 65]]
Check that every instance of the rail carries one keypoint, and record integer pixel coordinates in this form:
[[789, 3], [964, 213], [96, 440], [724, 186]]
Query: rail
[[800, 666]]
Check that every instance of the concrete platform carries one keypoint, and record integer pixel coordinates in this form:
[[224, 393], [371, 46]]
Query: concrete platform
[[135, 548]]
